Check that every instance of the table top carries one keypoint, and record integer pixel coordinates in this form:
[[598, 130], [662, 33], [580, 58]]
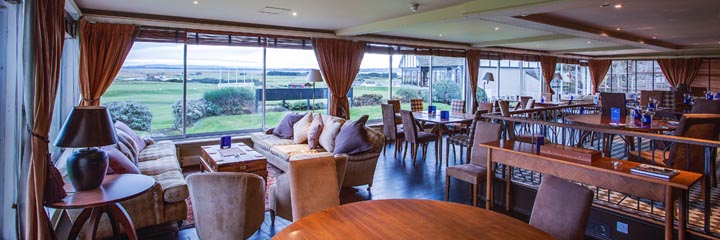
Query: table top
[[626, 123], [455, 117], [115, 188], [683, 180], [238, 152], [409, 219]]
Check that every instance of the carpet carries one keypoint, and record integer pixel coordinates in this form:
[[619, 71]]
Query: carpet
[[272, 173]]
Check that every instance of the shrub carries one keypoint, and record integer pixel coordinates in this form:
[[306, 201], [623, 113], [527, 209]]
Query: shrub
[[136, 115], [196, 110], [445, 91], [301, 106], [231, 100], [481, 95], [405, 94], [367, 100]]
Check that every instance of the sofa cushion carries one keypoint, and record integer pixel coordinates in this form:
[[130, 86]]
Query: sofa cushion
[[126, 129], [173, 185], [159, 166], [158, 150], [300, 129], [284, 129], [119, 163], [127, 146], [287, 151], [266, 141], [352, 138], [331, 127], [314, 132]]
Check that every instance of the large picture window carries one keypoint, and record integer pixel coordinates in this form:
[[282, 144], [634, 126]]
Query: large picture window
[[633, 76]]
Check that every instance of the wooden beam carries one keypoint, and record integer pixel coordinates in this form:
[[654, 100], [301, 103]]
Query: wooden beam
[[595, 49], [522, 40]]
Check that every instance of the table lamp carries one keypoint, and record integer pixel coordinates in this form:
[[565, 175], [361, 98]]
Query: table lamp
[[87, 127], [313, 77], [487, 78]]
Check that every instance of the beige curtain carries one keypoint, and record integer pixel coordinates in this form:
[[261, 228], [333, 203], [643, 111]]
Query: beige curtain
[[339, 62], [103, 49], [547, 64], [680, 70], [49, 36], [598, 69], [473, 64]]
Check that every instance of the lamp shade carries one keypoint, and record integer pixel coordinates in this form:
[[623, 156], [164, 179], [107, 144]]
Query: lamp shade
[[314, 76], [87, 126], [488, 77], [557, 76]]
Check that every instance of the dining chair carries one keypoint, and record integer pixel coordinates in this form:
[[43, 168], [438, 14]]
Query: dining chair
[[280, 200], [462, 140], [396, 109], [227, 205], [390, 130], [314, 184], [457, 106], [523, 102], [646, 95], [547, 96], [510, 126], [703, 105], [475, 171], [416, 105], [613, 100], [561, 208], [530, 104], [487, 106], [416, 138]]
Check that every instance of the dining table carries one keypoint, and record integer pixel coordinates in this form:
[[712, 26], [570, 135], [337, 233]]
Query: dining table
[[625, 123], [455, 117], [409, 219]]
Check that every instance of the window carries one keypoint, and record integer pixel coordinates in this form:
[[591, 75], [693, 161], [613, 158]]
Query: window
[[513, 78], [575, 80], [413, 79], [371, 85], [287, 71], [448, 80], [631, 76]]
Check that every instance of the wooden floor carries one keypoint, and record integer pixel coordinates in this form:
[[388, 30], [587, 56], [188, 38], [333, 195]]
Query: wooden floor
[[394, 178]]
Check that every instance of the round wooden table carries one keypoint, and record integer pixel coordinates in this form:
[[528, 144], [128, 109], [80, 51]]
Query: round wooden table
[[409, 219], [106, 199], [626, 123]]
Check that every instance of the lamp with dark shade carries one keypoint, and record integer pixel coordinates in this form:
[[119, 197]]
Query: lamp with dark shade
[[487, 78], [87, 127], [314, 76]]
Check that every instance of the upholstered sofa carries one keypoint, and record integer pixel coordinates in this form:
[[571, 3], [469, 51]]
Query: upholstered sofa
[[163, 204], [360, 167]]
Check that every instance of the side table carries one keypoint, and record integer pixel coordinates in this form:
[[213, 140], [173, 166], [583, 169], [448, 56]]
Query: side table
[[238, 158], [106, 199]]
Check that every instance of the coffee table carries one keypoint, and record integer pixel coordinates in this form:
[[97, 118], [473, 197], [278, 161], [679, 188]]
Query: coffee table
[[238, 158]]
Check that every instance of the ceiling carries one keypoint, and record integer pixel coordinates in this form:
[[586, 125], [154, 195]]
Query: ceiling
[[588, 28]]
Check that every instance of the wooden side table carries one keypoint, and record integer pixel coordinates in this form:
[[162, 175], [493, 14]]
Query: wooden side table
[[106, 199], [238, 158]]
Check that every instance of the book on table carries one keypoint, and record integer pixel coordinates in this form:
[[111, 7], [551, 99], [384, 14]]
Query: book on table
[[654, 171]]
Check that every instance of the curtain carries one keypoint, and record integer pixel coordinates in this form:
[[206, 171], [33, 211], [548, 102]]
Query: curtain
[[547, 64], [473, 64], [48, 35], [339, 62], [680, 70], [598, 69], [103, 49]]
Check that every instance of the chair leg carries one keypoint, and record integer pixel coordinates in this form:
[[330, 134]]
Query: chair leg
[[272, 216], [425, 147], [405, 151], [447, 153], [385, 146], [467, 155], [414, 152], [474, 193], [447, 188]]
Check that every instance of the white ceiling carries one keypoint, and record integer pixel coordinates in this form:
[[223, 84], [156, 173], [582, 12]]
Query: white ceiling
[[680, 27]]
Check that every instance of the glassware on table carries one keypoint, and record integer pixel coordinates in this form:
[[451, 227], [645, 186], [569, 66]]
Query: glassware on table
[[653, 101]]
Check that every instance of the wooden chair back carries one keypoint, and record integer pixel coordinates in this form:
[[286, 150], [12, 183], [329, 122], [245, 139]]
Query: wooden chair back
[[703, 105], [483, 132], [561, 208], [613, 100], [485, 106], [692, 157], [396, 104]]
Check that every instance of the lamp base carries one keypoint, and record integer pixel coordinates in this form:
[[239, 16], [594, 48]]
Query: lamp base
[[87, 168]]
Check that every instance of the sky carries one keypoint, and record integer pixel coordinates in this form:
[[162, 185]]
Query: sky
[[144, 53]]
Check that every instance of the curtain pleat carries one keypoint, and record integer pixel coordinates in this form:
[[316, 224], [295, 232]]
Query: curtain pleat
[[598, 69], [49, 36], [103, 49], [473, 65], [547, 63], [680, 70], [339, 62]]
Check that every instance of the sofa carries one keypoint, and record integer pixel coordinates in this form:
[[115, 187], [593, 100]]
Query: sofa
[[163, 204], [360, 167]]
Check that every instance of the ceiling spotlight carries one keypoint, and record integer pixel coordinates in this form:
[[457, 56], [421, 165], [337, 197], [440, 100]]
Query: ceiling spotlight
[[294, 13], [196, 2], [642, 42], [497, 28], [414, 7], [589, 42], [618, 29], [604, 34], [654, 37], [440, 35], [618, 5]]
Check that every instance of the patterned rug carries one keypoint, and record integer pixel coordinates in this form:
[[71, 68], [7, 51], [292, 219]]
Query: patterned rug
[[272, 173]]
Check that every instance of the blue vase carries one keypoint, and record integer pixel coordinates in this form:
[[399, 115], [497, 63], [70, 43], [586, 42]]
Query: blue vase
[[646, 119]]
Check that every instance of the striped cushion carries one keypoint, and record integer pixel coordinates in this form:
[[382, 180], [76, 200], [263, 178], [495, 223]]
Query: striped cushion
[[462, 140], [416, 104]]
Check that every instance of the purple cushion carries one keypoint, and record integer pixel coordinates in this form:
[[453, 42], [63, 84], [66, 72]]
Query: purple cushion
[[314, 131], [352, 138], [138, 140], [119, 163], [285, 128]]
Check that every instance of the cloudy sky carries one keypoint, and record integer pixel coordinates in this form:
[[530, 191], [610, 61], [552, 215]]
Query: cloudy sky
[[144, 53]]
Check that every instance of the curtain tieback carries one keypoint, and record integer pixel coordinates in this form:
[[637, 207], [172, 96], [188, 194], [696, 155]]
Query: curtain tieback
[[91, 101], [41, 137]]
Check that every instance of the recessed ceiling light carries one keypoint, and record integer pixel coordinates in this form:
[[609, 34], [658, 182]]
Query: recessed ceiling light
[[618, 5], [589, 42], [440, 35], [196, 2], [497, 28], [642, 42], [654, 37], [294, 13], [618, 29], [604, 34]]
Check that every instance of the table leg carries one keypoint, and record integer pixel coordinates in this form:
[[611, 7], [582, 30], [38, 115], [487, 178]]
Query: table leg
[[508, 184], [682, 197], [438, 144], [79, 222], [669, 212], [94, 222], [122, 217], [489, 182], [113, 224]]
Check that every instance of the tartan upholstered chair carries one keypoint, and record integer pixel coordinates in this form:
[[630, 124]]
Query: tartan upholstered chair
[[416, 105], [463, 140], [457, 106]]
